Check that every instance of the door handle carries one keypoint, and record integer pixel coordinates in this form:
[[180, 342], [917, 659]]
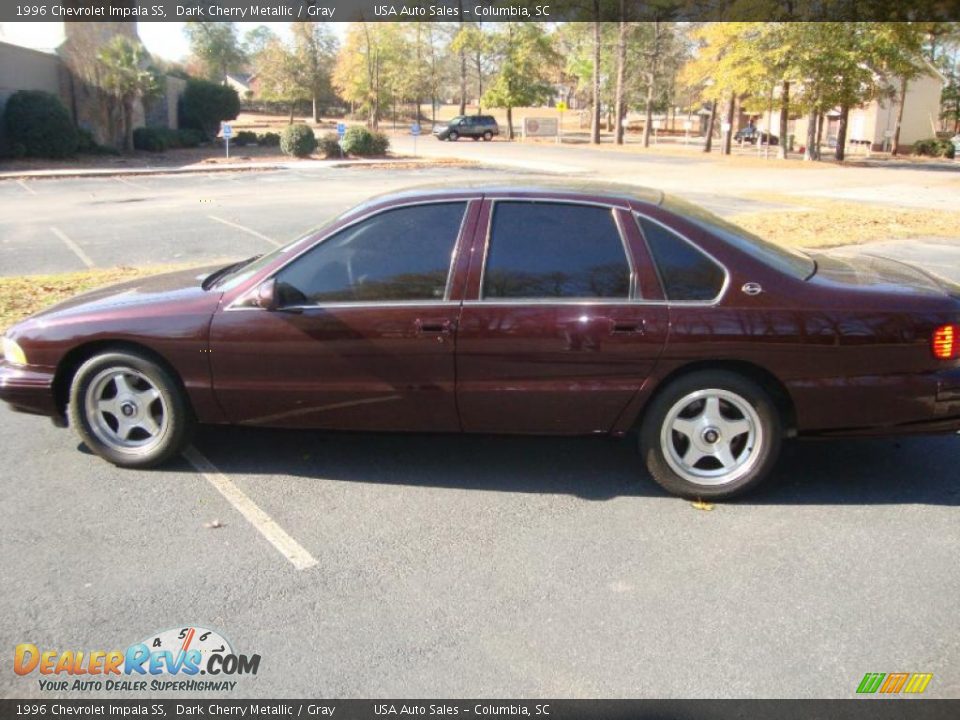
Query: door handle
[[626, 327], [430, 327]]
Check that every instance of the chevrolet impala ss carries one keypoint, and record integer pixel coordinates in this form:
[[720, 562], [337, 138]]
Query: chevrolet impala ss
[[553, 309]]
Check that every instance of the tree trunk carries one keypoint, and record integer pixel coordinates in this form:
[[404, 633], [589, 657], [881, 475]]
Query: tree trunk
[[810, 151], [463, 70], [728, 135], [895, 148], [595, 122], [127, 126], [509, 123], [711, 122], [292, 106], [648, 118], [842, 132], [784, 119], [316, 110], [820, 117], [621, 64]]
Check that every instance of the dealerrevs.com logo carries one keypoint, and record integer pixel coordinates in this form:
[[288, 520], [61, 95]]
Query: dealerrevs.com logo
[[171, 660]]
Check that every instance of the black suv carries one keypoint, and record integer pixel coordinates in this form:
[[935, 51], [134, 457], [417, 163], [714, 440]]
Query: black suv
[[471, 126]]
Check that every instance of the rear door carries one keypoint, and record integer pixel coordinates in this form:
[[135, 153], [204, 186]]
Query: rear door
[[555, 336]]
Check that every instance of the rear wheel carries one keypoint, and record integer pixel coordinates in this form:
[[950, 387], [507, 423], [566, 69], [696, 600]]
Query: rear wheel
[[453, 136], [487, 136], [712, 434], [129, 410]]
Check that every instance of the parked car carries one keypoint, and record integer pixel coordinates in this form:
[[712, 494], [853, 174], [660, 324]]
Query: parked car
[[518, 309], [468, 126], [751, 135]]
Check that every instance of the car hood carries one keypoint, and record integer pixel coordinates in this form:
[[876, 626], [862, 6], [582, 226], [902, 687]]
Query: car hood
[[175, 291], [874, 272]]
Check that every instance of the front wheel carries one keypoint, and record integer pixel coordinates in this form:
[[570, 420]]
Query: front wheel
[[453, 137], [712, 434], [129, 410]]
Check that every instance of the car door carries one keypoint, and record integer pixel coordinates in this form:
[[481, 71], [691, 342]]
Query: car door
[[555, 335], [364, 334]]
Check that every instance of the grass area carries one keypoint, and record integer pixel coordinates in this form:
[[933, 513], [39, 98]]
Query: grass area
[[25, 295], [827, 223]]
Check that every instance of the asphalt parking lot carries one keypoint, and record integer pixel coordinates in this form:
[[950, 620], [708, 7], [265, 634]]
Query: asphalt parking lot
[[490, 566], [364, 565]]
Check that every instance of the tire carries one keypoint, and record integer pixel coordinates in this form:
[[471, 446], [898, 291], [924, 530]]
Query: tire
[[487, 136], [453, 137], [712, 435], [129, 410]]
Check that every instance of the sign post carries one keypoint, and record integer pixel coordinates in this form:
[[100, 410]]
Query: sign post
[[227, 133], [415, 131], [561, 106], [341, 131]]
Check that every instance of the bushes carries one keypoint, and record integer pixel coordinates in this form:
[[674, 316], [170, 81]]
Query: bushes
[[205, 105], [361, 142], [297, 140], [330, 145], [934, 147], [268, 139], [244, 137], [161, 139], [38, 125]]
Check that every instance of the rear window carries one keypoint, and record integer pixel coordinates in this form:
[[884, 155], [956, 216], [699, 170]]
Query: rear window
[[686, 273], [790, 262]]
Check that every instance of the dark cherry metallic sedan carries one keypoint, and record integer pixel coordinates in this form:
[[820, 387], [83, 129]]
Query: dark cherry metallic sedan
[[553, 310]]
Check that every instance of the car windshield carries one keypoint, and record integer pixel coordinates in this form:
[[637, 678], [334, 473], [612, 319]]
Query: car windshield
[[787, 260]]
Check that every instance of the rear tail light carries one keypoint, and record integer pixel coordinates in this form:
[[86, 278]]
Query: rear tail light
[[946, 342]]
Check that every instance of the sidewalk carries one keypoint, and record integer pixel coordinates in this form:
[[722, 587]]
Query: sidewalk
[[205, 168]]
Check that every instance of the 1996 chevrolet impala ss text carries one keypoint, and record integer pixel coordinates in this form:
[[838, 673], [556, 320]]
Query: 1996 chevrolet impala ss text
[[553, 310]]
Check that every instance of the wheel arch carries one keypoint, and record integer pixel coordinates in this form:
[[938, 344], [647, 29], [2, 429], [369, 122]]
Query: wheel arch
[[767, 380], [71, 362]]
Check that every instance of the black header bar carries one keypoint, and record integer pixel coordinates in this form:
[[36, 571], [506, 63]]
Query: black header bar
[[477, 10]]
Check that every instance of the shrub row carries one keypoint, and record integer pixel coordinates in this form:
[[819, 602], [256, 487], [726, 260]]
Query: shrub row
[[161, 139], [38, 125], [299, 140], [934, 147]]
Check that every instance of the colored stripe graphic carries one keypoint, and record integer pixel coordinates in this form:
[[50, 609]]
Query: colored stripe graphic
[[894, 682], [918, 682], [870, 682]]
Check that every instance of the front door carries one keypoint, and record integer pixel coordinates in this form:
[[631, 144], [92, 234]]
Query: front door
[[365, 335], [553, 337]]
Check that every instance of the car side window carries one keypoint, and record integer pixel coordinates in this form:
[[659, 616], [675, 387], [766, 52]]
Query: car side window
[[555, 250], [686, 273], [401, 254]]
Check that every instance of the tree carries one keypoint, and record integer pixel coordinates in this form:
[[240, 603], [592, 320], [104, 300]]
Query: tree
[[522, 51], [473, 43], [126, 77], [256, 40], [279, 73], [370, 67], [216, 47], [315, 52]]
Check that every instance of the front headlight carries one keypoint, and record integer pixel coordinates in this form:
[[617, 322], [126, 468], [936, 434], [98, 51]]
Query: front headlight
[[13, 353]]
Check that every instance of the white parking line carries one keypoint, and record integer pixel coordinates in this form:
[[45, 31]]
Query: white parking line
[[26, 187], [137, 185], [247, 230], [77, 250], [275, 535]]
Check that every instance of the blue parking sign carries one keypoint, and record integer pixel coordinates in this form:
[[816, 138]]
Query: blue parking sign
[[415, 129], [341, 129], [227, 131]]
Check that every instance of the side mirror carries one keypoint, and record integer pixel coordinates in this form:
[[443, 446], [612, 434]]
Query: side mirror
[[266, 295]]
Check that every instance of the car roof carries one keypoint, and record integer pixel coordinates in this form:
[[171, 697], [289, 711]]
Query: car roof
[[565, 189]]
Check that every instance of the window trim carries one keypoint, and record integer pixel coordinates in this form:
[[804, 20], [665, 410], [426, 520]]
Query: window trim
[[492, 302], [656, 267], [235, 304]]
